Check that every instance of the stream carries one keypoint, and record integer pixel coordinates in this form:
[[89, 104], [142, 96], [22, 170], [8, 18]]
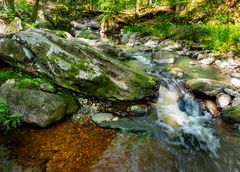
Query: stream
[[179, 136]]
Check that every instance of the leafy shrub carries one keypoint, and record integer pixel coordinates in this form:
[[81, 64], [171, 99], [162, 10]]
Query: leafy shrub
[[136, 28], [9, 120]]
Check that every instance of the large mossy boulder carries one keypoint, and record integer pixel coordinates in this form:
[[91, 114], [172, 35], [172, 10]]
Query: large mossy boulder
[[232, 112], [38, 107], [75, 66], [207, 87]]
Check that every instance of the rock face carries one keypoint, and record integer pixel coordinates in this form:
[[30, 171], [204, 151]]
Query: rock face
[[207, 86], [75, 66], [38, 108], [233, 112]]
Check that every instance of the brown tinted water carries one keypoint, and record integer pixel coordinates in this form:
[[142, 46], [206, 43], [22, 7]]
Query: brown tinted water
[[65, 146]]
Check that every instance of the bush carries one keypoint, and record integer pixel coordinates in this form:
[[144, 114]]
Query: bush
[[9, 120]]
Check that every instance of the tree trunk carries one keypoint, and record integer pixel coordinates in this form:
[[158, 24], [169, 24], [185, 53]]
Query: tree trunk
[[92, 6], [137, 7], [35, 11], [150, 2]]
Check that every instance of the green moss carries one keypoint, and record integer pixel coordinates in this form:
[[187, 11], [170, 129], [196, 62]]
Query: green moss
[[34, 83], [6, 74]]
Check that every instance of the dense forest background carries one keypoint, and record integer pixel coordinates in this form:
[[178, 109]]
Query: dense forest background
[[214, 23]]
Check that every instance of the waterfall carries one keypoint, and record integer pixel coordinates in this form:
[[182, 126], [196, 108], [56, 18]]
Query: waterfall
[[181, 115]]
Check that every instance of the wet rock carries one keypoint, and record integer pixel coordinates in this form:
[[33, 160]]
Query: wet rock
[[133, 124], [223, 100], [207, 61], [185, 52], [163, 57], [177, 72], [138, 110], [102, 117], [87, 24], [171, 121], [75, 66], [208, 87], [231, 92], [212, 108], [232, 112], [169, 45], [132, 40], [38, 108], [235, 82], [151, 42]]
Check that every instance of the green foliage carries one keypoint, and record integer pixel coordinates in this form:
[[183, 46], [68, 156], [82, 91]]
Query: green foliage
[[23, 8], [9, 120], [140, 27], [215, 36], [6, 74]]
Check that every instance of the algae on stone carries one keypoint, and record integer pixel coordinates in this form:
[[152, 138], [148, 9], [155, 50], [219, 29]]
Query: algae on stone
[[75, 66]]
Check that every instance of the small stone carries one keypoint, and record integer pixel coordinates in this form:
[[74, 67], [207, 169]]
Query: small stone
[[193, 62], [115, 119], [235, 82], [177, 72], [223, 100], [138, 110], [212, 108], [207, 61], [101, 117], [231, 92], [151, 43], [236, 75], [201, 56]]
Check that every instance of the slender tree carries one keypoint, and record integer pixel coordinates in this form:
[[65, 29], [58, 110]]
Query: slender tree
[[35, 10]]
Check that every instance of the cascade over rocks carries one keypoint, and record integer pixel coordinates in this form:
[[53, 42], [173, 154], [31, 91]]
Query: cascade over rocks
[[75, 65]]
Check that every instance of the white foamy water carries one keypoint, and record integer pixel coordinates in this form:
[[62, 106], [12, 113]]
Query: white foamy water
[[180, 124], [142, 59]]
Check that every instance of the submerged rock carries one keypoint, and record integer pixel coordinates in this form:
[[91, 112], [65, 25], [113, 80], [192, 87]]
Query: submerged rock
[[101, 117], [208, 87], [74, 65], [38, 108], [138, 110]]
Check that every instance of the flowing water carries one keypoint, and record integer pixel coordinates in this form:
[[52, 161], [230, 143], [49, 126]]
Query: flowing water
[[178, 136], [181, 136]]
